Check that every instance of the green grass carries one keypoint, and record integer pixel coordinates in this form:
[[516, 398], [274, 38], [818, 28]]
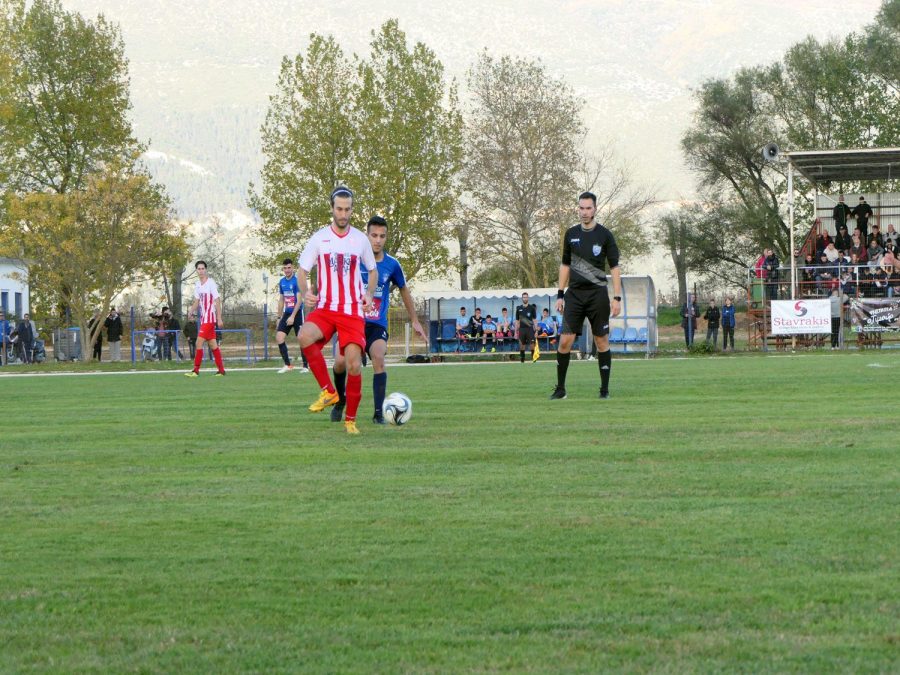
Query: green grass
[[726, 514]]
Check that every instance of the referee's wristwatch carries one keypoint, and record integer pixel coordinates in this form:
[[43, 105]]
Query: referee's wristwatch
[[617, 298]]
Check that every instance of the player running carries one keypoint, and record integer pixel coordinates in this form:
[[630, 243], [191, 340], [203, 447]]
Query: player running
[[389, 273], [290, 313], [340, 253], [207, 300]]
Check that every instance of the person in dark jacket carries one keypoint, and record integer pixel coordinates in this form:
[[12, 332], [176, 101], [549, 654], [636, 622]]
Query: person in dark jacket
[[174, 327], [727, 324], [841, 212], [712, 315], [190, 332], [26, 338], [862, 212], [689, 314], [98, 343], [843, 242], [770, 264], [113, 325]]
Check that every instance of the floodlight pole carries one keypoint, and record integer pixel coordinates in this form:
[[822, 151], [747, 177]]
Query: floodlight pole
[[790, 191]]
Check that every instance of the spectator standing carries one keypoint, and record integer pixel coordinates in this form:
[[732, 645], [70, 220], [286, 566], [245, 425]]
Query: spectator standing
[[113, 325], [26, 338], [728, 321], [173, 326], [712, 315], [771, 266], [836, 308], [862, 212], [4, 337], [841, 212], [689, 314], [162, 337]]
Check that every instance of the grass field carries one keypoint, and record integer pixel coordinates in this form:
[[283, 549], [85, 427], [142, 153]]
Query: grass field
[[719, 514]]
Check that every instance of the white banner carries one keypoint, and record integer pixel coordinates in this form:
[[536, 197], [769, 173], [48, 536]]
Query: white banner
[[793, 317]]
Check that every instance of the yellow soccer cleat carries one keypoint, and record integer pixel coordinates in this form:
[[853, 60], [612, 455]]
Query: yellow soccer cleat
[[325, 400], [350, 427], [190, 374]]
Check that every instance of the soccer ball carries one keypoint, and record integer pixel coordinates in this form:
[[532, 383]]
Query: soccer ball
[[397, 408]]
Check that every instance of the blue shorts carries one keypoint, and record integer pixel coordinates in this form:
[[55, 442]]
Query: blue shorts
[[374, 332], [284, 328]]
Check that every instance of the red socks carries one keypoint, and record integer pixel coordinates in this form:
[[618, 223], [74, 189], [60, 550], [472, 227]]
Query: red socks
[[198, 359], [313, 354], [354, 395], [217, 355]]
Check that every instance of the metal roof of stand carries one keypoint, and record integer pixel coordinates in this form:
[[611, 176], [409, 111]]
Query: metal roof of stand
[[868, 164]]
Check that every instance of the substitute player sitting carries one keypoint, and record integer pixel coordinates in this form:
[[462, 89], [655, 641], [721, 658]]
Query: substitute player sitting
[[209, 304], [290, 313], [389, 274], [340, 253]]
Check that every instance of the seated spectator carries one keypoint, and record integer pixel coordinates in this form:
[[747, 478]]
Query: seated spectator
[[889, 259], [891, 236], [848, 284], [874, 253], [843, 241], [880, 277], [894, 283], [462, 324], [859, 250], [475, 329], [489, 328], [823, 239], [875, 235], [832, 253], [808, 269], [543, 326], [825, 274], [506, 327]]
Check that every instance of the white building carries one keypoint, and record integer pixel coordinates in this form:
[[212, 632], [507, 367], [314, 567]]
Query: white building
[[14, 288]]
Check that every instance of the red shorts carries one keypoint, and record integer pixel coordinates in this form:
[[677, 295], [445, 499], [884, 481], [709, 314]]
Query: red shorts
[[207, 331], [350, 329]]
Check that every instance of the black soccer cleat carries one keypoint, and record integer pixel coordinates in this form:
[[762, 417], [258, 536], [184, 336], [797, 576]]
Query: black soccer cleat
[[558, 393], [378, 419], [604, 394], [337, 412]]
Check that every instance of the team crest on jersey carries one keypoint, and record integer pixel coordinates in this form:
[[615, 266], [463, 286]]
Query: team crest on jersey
[[596, 249]]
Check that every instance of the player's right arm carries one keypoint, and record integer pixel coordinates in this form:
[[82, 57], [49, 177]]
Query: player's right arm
[[305, 263]]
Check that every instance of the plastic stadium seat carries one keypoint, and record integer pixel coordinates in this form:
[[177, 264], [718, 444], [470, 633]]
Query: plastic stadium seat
[[616, 334], [643, 335], [631, 334]]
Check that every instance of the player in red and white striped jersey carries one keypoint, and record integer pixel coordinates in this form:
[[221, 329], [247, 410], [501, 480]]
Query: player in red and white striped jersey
[[208, 305], [339, 252]]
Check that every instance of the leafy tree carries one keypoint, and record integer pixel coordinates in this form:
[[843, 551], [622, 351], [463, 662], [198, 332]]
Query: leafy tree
[[525, 167], [388, 127], [87, 246], [410, 148], [309, 138], [63, 96]]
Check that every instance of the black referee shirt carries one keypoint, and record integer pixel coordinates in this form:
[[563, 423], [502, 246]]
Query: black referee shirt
[[586, 252], [526, 315]]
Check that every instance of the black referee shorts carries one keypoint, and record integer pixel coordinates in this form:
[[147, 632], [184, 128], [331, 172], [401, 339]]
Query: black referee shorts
[[586, 303]]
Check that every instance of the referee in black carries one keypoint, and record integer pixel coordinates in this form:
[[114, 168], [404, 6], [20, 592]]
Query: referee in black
[[587, 248]]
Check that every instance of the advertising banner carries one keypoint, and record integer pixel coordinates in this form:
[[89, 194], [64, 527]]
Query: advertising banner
[[801, 317], [875, 315]]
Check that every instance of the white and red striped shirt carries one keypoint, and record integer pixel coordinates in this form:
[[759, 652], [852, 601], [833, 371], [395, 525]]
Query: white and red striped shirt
[[207, 294], [339, 259]]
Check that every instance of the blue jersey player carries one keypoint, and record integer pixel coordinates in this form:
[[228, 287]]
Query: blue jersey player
[[290, 314], [389, 274]]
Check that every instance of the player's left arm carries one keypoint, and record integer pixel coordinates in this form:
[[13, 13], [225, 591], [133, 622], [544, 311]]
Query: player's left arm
[[407, 298], [616, 306], [219, 312]]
